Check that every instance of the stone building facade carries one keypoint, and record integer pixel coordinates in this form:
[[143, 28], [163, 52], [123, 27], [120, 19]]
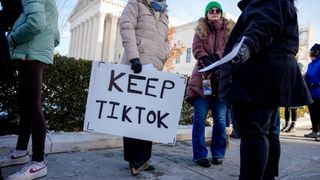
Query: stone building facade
[[94, 29]]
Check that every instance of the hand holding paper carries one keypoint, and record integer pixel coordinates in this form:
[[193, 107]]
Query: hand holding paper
[[227, 58]]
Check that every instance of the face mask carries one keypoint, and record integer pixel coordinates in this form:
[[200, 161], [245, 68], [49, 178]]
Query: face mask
[[159, 6]]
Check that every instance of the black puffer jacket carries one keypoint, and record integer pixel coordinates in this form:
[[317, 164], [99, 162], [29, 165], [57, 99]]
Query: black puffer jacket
[[11, 9], [271, 76]]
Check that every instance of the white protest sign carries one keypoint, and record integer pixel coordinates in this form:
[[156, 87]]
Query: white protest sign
[[225, 59], [143, 106]]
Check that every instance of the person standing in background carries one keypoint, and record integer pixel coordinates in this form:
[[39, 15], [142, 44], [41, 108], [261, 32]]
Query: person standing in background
[[144, 33], [11, 9], [263, 76], [312, 78], [208, 46], [287, 112], [32, 40]]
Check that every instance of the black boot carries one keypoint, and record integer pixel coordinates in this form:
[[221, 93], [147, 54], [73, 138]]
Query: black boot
[[285, 126], [291, 128], [204, 162]]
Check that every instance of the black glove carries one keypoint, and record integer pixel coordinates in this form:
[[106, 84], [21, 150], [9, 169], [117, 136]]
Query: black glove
[[136, 65], [243, 54], [214, 57], [204, 61]]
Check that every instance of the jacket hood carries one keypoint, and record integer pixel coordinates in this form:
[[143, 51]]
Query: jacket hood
[[203, 29]]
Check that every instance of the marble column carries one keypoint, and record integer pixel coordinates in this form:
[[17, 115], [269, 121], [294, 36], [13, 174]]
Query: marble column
[[70, 43], [88, 43], [72, 39], [80, 35], [112, 38], [99, 35], [93, 37], [76, 41], [84, 41], [81, 40]]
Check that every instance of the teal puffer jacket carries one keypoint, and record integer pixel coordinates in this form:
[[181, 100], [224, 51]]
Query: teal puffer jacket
[[35, 33]]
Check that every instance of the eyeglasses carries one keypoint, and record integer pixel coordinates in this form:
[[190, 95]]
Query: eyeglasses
[[214, 11]]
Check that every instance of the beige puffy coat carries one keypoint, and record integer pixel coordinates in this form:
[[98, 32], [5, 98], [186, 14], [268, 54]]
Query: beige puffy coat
[[143, 36]]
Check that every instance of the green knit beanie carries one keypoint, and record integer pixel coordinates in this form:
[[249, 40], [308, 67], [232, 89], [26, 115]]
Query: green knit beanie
[[211, 5]]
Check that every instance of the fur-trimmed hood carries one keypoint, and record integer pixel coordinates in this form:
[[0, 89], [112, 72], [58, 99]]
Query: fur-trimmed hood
[[202, 28]]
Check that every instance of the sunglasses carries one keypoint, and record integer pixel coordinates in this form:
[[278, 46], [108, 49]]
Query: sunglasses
[[214, 11]]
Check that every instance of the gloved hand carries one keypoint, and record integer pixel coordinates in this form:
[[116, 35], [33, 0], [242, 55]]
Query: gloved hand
[[214, 57], [204, 61], [136, 65], [11, 41], [243, 54]]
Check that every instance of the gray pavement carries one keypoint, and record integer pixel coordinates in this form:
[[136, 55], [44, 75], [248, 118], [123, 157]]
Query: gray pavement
[[300, 158]]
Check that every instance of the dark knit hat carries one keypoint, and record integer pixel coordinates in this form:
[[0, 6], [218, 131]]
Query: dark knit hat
[[315, 50], [213, 4]]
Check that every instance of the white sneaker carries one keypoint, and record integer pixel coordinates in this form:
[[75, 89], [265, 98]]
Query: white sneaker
[[33, 170], [12, 159]]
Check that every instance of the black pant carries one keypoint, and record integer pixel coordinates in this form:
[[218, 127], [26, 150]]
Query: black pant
[[287, 114], [260, 145], [31, 116], [314, 110], [136, 150]]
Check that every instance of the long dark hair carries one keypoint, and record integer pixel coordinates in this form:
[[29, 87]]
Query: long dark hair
[[292, 1], [292, 5]]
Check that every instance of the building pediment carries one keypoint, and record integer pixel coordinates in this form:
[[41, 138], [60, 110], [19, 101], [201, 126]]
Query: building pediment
[[81, 4]]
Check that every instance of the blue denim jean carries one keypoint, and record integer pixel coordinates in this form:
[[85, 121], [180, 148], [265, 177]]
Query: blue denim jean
[[278, 121], [218, 144], [228, 116]]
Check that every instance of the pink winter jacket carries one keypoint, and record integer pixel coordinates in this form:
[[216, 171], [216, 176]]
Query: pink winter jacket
[[143, 36], [206, 42]]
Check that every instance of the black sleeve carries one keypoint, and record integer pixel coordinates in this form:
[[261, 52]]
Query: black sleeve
[[11, 10], [264, 21]]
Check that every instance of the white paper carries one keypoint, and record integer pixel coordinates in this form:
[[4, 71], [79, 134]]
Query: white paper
[[225, 59]]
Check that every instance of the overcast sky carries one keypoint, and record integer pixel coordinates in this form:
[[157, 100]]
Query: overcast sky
[[184, 11]]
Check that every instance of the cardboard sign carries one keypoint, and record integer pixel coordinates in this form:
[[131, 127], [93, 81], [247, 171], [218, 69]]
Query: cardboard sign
[[143, 106]]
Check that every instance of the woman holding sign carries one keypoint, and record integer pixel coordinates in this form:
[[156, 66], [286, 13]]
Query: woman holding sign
[[208, 46], [262, 76], [144, 33]]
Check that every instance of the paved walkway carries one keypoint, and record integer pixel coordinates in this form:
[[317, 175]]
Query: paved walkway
[[300, 158]]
